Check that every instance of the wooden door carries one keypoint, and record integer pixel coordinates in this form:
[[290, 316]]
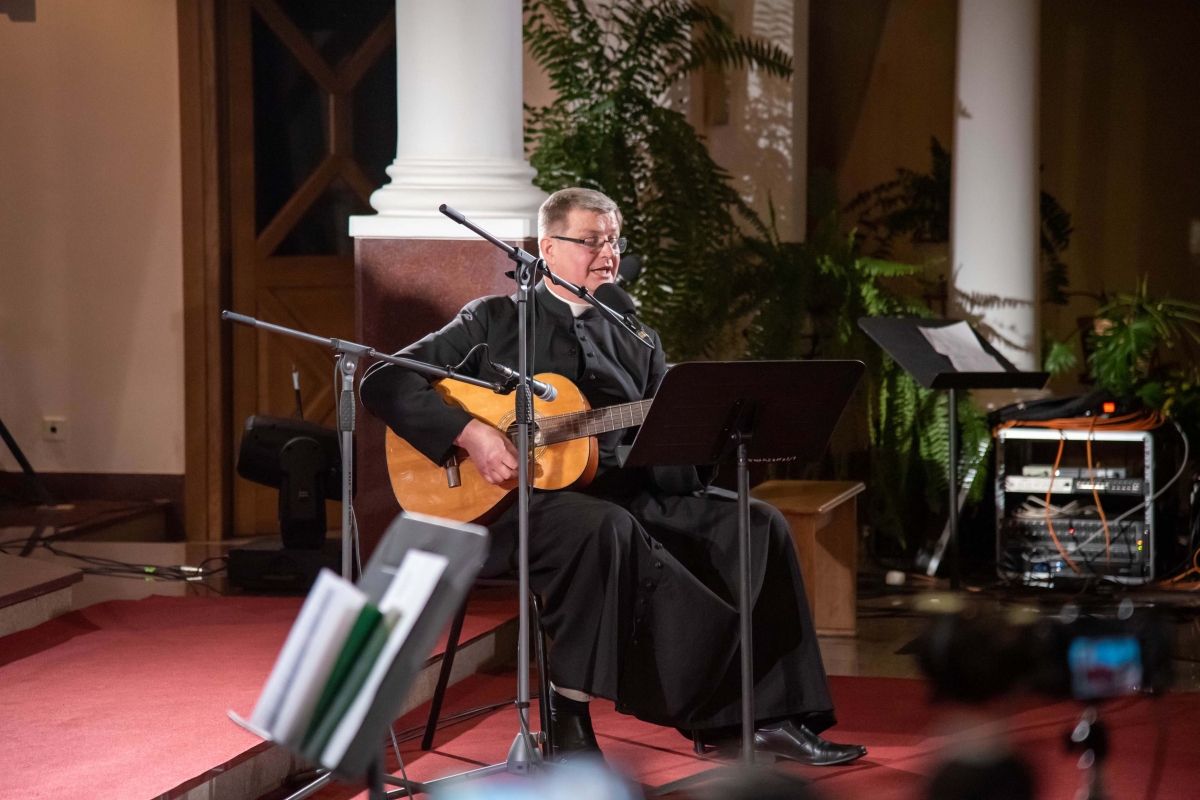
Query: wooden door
[[312, 125]]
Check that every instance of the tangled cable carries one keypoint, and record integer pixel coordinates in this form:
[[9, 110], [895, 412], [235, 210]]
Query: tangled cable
[[1146, 420]]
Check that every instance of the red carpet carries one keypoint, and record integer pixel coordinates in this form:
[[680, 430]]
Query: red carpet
[[128, 698], [904, 734]]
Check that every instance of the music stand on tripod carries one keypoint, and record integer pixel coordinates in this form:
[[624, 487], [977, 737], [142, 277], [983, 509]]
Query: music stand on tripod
[[760, 411], [901, 338]]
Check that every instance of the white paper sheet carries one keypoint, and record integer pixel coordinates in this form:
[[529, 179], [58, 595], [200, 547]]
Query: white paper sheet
[[310, 633], [959, 343], [406, 596]]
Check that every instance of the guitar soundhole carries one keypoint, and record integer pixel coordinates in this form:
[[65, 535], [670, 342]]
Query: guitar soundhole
[[508, 426]]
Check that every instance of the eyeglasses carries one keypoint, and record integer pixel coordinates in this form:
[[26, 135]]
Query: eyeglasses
[[595, 243]]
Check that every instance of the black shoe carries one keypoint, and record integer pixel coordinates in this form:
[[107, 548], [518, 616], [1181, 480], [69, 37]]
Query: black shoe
[[571, 726], [796, 742]]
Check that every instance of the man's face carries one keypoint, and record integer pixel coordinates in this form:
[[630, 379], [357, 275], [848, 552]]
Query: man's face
[[577, 263]]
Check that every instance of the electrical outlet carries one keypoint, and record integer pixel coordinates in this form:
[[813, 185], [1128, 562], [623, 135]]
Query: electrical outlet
[[54, 429]]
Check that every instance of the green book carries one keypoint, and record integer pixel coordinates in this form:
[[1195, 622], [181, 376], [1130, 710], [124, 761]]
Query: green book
[[360, 634], [355, 678]]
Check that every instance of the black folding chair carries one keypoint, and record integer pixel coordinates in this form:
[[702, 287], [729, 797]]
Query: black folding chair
[[439, 693]]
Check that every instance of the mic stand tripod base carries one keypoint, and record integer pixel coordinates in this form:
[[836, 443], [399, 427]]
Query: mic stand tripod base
[[522, 760]]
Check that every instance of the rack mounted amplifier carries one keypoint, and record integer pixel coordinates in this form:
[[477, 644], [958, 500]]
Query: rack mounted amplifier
[[1121, 476]]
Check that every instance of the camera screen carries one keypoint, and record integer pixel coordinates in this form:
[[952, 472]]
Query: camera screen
[[1105, 666]]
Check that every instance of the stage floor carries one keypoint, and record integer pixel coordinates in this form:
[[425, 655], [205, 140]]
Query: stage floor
[[908, 739], [128, 699]]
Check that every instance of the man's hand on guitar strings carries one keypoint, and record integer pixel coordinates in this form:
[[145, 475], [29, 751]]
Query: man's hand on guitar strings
[[494, 455]]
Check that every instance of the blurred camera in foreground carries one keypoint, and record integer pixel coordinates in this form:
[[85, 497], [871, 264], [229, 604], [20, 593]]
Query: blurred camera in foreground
[[1088, 655]]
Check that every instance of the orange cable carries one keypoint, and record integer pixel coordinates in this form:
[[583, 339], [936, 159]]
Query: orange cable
[[1049, 524], [1138, 421], [1177, 581], [1096, 497]]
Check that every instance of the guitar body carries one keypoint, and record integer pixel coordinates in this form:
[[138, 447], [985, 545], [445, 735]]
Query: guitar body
[[421, 486]]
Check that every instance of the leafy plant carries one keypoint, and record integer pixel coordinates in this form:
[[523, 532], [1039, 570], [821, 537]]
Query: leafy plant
[[1147, 347], [916, 206], [717, 278], [1058, 357], [810, 296], [1132, 331], [617, 125]]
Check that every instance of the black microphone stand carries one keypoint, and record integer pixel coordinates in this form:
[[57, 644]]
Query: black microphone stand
[[523, 756], [348, 356]]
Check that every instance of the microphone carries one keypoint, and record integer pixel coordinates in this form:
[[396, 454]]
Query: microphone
[[629, 269], [542, 391], [615, 298], [619, 301]]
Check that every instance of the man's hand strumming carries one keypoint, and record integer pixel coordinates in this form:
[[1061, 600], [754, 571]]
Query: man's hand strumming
[[494, 455]]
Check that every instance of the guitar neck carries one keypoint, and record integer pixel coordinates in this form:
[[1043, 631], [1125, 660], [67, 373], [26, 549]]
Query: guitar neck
[[564, 427]]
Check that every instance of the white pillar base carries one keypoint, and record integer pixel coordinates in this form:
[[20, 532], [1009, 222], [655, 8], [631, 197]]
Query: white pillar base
[[459, 125], [497, 194]]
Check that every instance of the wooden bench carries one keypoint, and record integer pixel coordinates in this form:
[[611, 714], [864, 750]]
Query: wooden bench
[[823, 517]]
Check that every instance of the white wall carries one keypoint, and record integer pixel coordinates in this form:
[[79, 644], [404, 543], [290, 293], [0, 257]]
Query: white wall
[[91, 295]]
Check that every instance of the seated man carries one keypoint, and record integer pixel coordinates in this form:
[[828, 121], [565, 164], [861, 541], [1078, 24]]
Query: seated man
[[639, 570]]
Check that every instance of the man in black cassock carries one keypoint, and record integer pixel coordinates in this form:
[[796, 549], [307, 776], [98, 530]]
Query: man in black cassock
[[638, 571]]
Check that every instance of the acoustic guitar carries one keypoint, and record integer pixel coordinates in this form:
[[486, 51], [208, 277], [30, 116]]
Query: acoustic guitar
[[565, 450]]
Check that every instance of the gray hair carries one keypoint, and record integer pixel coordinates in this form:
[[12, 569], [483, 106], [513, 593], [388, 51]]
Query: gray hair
[[558, 207]]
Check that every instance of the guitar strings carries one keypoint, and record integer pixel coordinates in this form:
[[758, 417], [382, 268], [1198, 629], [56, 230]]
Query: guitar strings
[[575, 423]]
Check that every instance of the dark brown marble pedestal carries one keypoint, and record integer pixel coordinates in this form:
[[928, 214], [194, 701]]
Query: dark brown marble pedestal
[[404, 289]]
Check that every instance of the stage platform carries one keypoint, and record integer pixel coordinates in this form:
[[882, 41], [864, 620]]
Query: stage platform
[[907, 737], [128, 699]]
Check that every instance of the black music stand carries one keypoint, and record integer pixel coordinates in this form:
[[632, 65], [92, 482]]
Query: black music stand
[[764, 411], [901, 338]]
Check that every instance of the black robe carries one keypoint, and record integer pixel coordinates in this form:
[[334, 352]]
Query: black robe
[[639, 571]]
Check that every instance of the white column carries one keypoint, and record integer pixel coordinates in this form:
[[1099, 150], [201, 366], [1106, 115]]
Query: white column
[[460, 140], [994, 235]]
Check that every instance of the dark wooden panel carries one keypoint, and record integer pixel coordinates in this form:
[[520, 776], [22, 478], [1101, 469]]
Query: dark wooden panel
[[404, 289]]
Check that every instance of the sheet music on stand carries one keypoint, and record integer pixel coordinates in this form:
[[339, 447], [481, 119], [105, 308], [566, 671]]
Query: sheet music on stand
[[959, 343], [948, 355], [355, 650]]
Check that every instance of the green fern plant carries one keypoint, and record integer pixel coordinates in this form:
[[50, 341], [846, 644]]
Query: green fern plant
[[714, 272], [616, 126], [916, 205], [808, 299]]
